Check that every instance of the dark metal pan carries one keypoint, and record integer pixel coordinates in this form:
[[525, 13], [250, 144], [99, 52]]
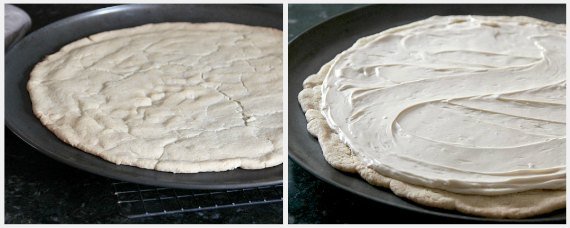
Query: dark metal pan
[[318, 45], [33, 48]]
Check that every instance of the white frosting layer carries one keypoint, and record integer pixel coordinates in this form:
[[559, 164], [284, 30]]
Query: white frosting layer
[[467, 104]]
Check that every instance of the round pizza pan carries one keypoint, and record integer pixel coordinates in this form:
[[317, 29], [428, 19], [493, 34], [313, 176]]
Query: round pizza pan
[[319, 44], [33, 48]]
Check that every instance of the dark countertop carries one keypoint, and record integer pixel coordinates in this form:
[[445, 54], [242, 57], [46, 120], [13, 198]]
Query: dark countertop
[[312, 200], [39, 189]]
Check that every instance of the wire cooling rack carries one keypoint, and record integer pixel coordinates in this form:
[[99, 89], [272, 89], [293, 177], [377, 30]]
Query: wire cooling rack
[[137, 201]]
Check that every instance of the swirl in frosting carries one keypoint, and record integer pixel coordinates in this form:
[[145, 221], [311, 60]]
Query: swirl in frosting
[[467, 104]]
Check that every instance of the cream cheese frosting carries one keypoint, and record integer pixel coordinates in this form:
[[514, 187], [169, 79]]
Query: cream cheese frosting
[[467, 104]]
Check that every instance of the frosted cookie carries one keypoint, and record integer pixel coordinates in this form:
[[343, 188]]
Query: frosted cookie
[[457, 112]]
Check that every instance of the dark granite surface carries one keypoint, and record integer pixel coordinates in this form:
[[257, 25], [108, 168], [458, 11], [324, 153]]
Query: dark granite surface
[[314, 201], [39, 189]]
